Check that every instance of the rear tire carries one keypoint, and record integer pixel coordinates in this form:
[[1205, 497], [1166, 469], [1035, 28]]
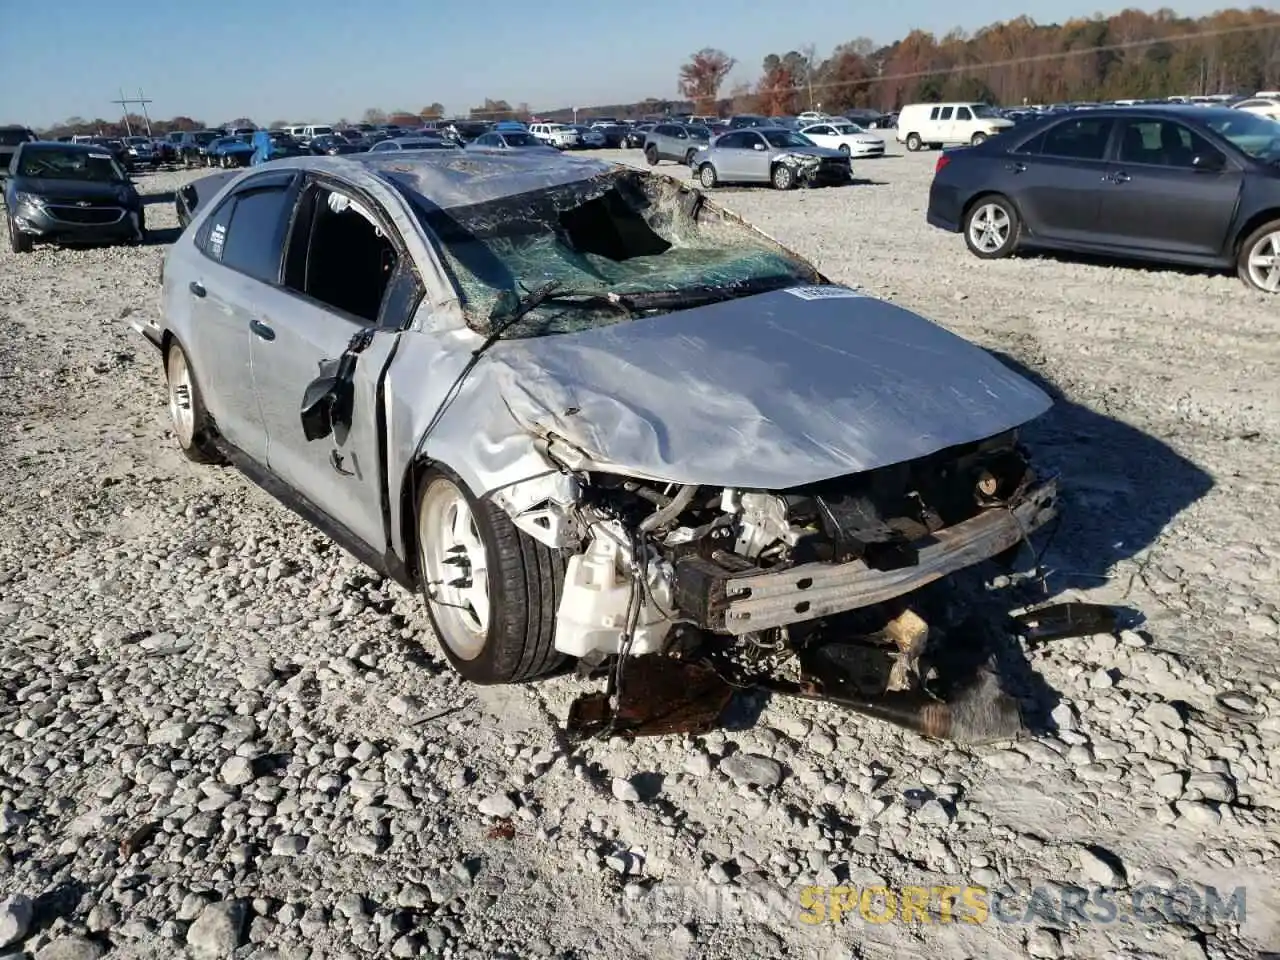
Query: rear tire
[[914, 143], [191, 424], [992, 228], [18, 242], [501, 630]]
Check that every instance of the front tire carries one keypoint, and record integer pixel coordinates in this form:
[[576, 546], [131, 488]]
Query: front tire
[[784, 178], [707, 176], [914, 143], [191, 424], [992, 228], [491, 591], [978, 139], [1258, 264], [18, 242], [651, 155]]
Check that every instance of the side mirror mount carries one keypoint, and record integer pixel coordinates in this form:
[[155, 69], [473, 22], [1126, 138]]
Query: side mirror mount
[[1209, 162], [757, 146]]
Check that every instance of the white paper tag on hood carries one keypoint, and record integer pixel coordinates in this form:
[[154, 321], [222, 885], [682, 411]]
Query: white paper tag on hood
[[830, 292]]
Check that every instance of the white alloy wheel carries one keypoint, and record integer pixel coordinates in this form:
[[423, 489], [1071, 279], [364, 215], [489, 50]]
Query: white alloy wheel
[[455, 568], [1263, 263], [182, 410], [989, 228]]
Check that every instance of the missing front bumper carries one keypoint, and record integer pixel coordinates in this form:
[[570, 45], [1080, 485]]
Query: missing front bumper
[[751, 601]]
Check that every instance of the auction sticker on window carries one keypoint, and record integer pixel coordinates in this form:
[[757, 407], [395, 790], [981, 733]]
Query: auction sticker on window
[[829, 292]]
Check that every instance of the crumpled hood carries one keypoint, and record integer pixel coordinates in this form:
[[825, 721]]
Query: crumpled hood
[[819, 152], [767, 392]]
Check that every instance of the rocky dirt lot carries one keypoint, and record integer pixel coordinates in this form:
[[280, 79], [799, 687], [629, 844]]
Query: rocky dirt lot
[[219, 733]]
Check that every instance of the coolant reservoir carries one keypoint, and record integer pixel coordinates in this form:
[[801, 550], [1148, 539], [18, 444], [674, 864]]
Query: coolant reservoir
[[593, 607]]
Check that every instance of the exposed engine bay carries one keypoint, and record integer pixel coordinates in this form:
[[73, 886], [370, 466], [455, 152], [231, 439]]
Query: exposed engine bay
[[649, 557]]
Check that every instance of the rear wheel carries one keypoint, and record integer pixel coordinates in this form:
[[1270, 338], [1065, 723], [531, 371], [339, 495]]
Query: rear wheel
[[707, 176], [186, 408], [18, 242], [844, 148], [491, 590], [914, 143], [1259, 261], [991, 228]]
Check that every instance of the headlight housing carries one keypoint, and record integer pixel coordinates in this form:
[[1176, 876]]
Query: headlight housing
[[30, 199]]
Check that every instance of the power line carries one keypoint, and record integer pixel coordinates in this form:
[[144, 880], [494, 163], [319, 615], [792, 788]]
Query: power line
[[990, 64]]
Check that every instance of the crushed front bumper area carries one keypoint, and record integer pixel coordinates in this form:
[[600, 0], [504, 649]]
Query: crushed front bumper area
[[749, 601]]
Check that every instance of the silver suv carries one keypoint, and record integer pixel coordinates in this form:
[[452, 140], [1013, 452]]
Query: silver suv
[[675, 141]]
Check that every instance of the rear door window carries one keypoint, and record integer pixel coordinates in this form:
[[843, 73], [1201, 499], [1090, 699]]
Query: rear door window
[[1082, 139], [945, 114], [246, 232]]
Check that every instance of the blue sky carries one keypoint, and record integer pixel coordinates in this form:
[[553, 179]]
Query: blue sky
[[322, 59]]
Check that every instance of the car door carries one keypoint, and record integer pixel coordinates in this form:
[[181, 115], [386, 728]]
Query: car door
[[1056, 179], [241, 243], [755, 158], [728, 155], [345, 273], [962, 126], [823, 136], [1168, 190]]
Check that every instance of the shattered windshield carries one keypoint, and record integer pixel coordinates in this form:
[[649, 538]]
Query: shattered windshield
[[786, 138], [52, 163], [608, 248], [521, 140]]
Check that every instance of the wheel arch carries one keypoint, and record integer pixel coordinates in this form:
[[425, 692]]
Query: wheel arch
[[1252, 224]]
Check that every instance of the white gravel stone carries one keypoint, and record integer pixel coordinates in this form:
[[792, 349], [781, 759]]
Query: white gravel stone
[[15, 918], [219, 929], [498, 805], [625, 790], [1097, 870], [747, 769]]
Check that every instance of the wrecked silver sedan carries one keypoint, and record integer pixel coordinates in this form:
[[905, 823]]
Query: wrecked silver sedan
[[582, 408]]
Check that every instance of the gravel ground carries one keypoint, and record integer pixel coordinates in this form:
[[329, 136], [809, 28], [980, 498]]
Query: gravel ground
[[219, 733]]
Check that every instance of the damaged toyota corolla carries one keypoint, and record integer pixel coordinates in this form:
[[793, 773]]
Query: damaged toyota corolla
[[582, 408]]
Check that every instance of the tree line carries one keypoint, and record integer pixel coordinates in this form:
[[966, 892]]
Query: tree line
[[1129, 55]]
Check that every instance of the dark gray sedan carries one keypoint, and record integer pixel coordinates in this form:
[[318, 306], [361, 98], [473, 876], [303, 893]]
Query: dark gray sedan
[[769, 155]]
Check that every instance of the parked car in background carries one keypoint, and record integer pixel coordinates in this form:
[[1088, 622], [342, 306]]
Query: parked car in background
[[229, 152], [558, 135], [11, 137], [331, 145], [867, 119], [166, 150], [590, 138], [773, 155], [677, 142], [745, 120], [69, 193], [938, 124], [509, 140], [1262, 106], [396, 144], [615, 134], [142, 152], [1194, 185], [464, 131], [847, 137], [192, 146], [637, 134], [311, 131]]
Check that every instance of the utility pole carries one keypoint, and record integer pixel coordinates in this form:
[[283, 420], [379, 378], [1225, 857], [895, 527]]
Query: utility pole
[[809, 50], [126, 102]]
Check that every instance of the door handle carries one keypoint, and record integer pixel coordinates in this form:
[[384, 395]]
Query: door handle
[[1118, 177], [197, 288], [261, 330], [1017, 167]]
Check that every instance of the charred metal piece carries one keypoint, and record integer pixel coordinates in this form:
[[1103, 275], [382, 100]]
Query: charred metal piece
[[656, 695], [1059, 621]]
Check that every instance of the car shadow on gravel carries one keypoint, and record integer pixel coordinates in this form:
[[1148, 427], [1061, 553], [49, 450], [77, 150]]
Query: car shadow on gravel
[[1125, 263], [161, 236], [1120, 487], [151, 199]]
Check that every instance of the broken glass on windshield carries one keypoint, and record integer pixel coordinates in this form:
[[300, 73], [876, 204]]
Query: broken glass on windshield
[[647, 243]]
